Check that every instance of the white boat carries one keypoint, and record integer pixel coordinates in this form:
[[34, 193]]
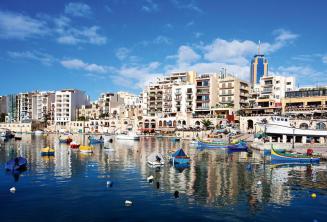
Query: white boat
[[38, 132], [128, 136], [281, 125], [6, 133], [156, 159], [108, 138]]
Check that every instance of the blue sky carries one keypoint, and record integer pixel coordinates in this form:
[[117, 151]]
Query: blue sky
[[111, 45]]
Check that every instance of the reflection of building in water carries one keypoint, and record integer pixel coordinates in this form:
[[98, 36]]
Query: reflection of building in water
[[62, 161], [280, 192]]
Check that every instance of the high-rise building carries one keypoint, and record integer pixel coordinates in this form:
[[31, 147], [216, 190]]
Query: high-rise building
[[66, 104], [259, 67], [12, 108]]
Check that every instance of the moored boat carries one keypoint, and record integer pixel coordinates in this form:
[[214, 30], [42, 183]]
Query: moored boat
[[93, 140], [156, 159], [239, 147], [38, 132], [179, 157], [218, 144], [128, 136], [86, 149], [66, 139], [47, 151], [74, 145], [277, 157], [18, 163]]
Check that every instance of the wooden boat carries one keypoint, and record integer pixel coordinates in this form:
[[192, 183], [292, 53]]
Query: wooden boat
[[179, 157], [95, 141], [74, 145], [86, 149], [156, 159], [277, 157], [239, 147], [47, 151], [216, 144], [16, 164], [128, 136]]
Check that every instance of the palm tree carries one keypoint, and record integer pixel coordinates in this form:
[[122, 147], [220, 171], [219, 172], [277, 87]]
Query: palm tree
[[206, 123]]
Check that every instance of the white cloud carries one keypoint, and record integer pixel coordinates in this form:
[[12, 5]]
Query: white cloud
[[188, 4], [122, 53], [162, 40], [44, 58], [283, 35], [78, 9], [71, 36], [80, 65], [150, 6], [191, 23], [18, 26], [186, 55], [198, 34], [324, 59]]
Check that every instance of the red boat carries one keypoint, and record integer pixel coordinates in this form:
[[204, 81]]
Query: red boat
[[74, 145]]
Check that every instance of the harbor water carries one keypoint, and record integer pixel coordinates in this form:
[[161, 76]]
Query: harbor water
[[217, 186]]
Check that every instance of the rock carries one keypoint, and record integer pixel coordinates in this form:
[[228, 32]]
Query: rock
[[128, 203], [12, 190]]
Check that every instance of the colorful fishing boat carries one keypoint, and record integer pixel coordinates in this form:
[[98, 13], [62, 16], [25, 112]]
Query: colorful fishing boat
[[277, 157], [95, 141], [47, 151], [214, 144], [74, 145], [179, 157], [16, 164], [239, 147], [86, 149]]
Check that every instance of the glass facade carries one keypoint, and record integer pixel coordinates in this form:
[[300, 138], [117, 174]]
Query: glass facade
[[259, 68]]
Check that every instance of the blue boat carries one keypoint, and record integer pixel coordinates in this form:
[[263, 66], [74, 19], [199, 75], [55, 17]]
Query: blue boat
[[175, 139], [239, 147], [179, 157], [16, 164], [277, 157], [212, 145], [95, 141]]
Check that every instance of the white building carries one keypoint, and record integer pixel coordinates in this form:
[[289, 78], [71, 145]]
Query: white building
[[66, 104], [41, 105], [130, 99], [183, 99]]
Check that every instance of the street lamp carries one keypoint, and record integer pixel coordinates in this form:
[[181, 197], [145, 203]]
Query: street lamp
[[293, 138]]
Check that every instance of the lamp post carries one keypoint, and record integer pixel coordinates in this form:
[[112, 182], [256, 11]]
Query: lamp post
[[293, 138]]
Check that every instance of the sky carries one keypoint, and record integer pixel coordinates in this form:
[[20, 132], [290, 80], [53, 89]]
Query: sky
[[122, 45]]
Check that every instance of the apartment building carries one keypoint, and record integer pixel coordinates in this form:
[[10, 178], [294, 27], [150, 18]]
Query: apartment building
[[206, 93], [41, 106], [305, 100], [157, 97], [24, 106], [89, 112], [233, 95], [266, 97], [66, 104], [109, 104], [129, 99]]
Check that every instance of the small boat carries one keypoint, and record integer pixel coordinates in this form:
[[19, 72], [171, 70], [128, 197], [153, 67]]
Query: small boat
[[18, 138], [6, 133], [156, 159], [216, 144], [47, 151], [277, 157], [95, 141], [175, 139], [179, 157], [66, 140], [74, 145], [38, 132], [239, 147], [86, 149], [128, 136], [16, 164]]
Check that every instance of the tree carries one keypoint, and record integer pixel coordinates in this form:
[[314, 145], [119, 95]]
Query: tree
[[206, 123], [81, 118]]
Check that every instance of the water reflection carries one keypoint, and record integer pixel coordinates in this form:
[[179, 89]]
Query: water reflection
[[214, 178]]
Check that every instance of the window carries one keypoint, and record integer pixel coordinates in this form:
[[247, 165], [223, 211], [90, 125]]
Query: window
[[288, 83]]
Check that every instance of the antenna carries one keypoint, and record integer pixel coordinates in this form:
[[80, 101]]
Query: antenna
[[259, 47]]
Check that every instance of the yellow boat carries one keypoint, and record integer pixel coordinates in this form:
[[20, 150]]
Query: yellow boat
[[86, 149], [47, 151]]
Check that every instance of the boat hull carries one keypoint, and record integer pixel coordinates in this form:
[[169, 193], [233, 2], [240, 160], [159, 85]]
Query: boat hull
[[278, 158], [126, 137], [211, 145], [177, 160], [12, 166]]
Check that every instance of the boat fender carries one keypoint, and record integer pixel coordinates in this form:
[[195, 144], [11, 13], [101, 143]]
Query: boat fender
[[150, 179], [259, 182], [128, 203], [313, 196], [176, 194], [12, 190], [109, 183]]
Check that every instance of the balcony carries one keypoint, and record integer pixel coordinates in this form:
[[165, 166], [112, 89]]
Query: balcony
[[203, 92]]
